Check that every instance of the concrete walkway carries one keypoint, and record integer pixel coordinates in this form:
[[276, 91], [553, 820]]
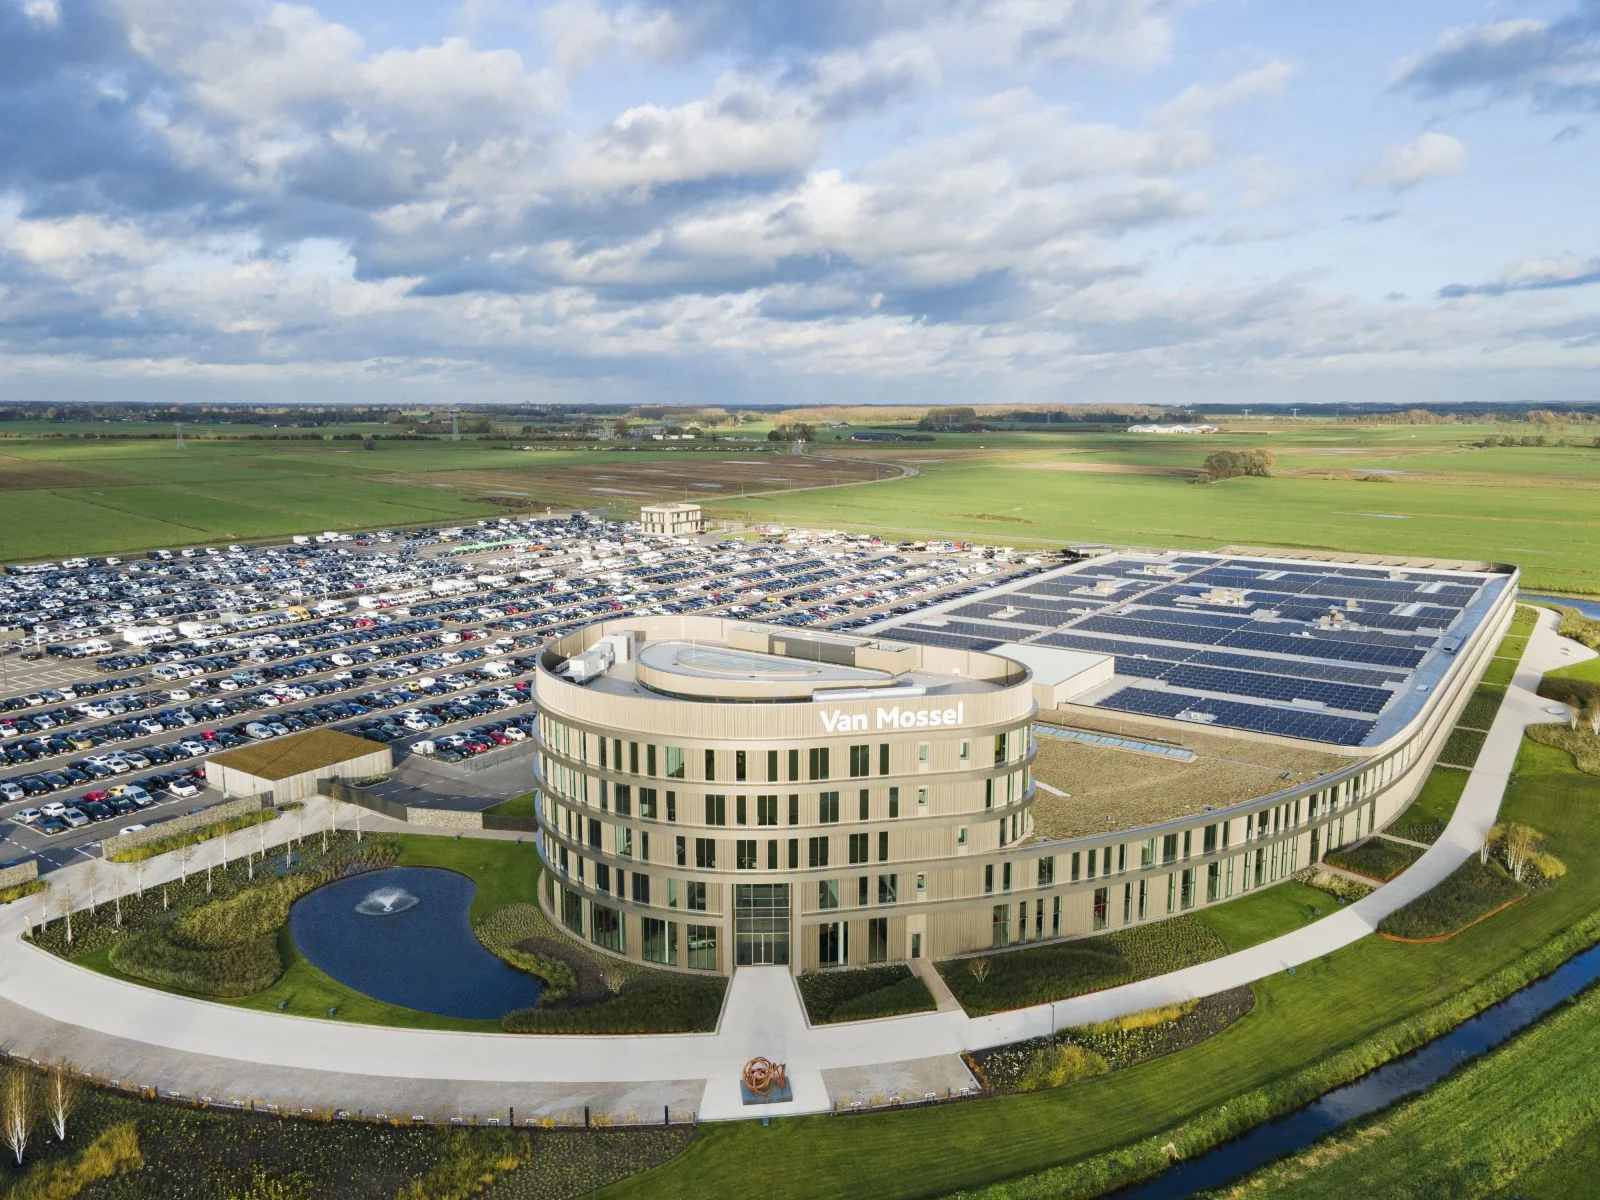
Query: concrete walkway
[[52, 1009]]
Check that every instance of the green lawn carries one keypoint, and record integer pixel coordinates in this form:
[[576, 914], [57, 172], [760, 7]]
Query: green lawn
[[517, 806], [1279, 909], [1424, 819], [1327, 1006]]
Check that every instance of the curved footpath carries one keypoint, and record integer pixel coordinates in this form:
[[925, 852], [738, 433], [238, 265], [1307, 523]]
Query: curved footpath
[[51, 1009]]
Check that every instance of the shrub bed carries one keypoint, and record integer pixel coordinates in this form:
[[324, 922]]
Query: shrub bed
[[227, 971], [660, 1002], [1037, 974], [1466, 894], [1115, 1045], [510, 934], [1462, 747], [1482, 707], [1579, 742], [194, 837], [1376, 858], [1425, 818], [1340, 887], [856, 993], [32, 888]]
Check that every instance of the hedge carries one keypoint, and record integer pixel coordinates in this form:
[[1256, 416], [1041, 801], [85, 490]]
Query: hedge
[[229, 971], [856, 993], [1460, 898], [194, 837], [661, 1002], [1376, 858]]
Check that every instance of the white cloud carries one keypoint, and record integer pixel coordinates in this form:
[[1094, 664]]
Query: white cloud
[[1431, 156], [1199, 101]]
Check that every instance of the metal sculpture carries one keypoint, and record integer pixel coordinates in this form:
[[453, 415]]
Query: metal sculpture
[[762, 1076]]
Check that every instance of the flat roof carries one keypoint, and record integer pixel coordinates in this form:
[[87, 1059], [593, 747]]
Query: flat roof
[[700, 661], [1344, 653], [296, 754]]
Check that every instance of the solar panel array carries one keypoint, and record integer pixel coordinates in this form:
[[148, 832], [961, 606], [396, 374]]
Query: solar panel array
[[1305, 650]]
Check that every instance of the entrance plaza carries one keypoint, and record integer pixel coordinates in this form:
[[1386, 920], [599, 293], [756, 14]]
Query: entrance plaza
[[51, 1009]]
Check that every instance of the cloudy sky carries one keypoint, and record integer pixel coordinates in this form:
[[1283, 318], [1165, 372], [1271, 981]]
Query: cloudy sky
[[757, 201]]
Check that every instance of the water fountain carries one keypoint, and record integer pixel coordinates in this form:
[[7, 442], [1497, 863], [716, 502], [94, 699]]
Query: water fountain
[[386, 901]]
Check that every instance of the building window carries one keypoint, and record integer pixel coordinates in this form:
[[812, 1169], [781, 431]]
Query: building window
[[860, 761], [1005, 877], [883, 845], [694, 896], [1144, 898], [878, 940], [1172, 891], [865, 808], [922, 797], [1055, 917], [766, 810], [716, 810], [794, 766], [672, 893], [606, 930], [922, 883], [827, 894], [683, 859], [633, 758], [738, 766], [1101, 908], [1209, 842], [660, 941], [818, 762], [1213, 882], [772, 766], [999, 747], [650, 759], [647, 804], [922, 754], [674, 762], [819, 851], [572, 911], [1147, 852], [858, 848], [705, 853], [831, 944], [745, 854], [888, 889], [1127, 903], [966, 752], [794, 854], [883, 758], [772, 854], [672, 806], [1047, 870], [828, 808], [894, 803], [702, 954], [1000, 926], [1186, 888], [794, 809], [740, 817], [988, 879], [1075, 864], [711, 764], [624, 800], [1092, 856], [624, 841], [1169, 848], [1187, 836], [641, 888], [961, 836], [861, 891], [594, 834]]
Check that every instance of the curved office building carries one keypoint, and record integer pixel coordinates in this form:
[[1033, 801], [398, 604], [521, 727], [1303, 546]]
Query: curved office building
[[716, 793]]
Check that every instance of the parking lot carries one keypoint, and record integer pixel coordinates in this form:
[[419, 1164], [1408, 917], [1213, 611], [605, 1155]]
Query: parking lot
[[129, 674]]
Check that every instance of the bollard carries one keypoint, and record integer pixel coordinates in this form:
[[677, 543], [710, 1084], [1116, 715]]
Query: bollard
[[666, 1114], [586, 1116]]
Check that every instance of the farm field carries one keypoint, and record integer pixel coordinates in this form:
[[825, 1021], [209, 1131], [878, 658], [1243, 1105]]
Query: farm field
[[1397, 490], [82, 496]]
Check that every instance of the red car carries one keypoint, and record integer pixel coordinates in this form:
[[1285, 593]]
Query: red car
[[97, 795]]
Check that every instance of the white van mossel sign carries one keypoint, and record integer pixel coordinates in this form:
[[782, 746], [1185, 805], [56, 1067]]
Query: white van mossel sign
[[839, 721]]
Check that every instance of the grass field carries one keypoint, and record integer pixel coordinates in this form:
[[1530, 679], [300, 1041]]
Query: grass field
[[1298, 1020]]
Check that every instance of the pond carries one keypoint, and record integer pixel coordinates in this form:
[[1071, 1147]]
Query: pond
[[403, 935], [1587, 607]]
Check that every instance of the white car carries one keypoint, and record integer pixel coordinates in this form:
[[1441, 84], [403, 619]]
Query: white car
[[74, 818], [54, 809], [29, 816], [10, 791], [182, 789], [180, 694], [135, 827], [151, 725], [194, 748]]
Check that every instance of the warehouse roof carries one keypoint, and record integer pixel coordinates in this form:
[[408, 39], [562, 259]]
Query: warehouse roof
[[296, 754]]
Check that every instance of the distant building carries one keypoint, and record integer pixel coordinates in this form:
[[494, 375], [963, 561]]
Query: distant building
[[675, 520], [866, 435], [1172, 428]]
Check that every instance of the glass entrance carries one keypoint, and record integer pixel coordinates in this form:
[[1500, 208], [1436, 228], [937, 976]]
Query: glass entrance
[[761, 924]]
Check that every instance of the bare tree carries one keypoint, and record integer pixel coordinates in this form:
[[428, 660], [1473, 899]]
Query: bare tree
[[91, 876], [185, 855], [62, 1092], [1520, 844], [138, 876], [19, 1108], [66, 911], [1591, 713]]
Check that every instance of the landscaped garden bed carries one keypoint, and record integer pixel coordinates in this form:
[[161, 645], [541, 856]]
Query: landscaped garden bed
[[1579, 741], [1462, 747], [1114, 1045], [1377, 858], [1481, 708], [120, 1148], [1514, 862], [1037, 974], [857, 993]]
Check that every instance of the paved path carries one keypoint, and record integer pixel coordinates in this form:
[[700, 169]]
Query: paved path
[[50, 1008]]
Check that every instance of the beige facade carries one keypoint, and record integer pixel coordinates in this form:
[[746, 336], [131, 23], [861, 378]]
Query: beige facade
[[724, 793], [672, 520]]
